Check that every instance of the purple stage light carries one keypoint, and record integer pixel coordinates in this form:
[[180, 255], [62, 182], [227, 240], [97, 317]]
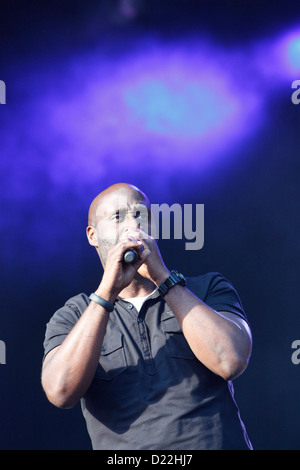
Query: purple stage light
[[279, 59], [181, 107], [289, 52], [153, 112], [294, 52]]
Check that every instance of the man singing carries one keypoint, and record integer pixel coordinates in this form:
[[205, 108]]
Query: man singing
[[150, 354]]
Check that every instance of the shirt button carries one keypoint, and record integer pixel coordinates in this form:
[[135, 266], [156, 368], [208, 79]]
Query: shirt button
[[130, 306], [140, 320]]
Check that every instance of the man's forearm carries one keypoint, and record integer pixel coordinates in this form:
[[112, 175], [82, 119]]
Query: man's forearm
[[69, 369]]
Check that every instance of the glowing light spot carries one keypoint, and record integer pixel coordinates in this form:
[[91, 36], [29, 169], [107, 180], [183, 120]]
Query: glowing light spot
[[181, 108], [294, 53]]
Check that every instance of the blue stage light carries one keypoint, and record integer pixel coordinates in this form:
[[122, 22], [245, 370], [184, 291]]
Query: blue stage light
[[183, 108], [294, 53]]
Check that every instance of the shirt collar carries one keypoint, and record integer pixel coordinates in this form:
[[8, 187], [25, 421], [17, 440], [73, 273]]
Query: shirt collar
[[155, 294]]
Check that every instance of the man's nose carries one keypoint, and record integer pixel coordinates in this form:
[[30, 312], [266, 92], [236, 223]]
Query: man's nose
[[132, 222]]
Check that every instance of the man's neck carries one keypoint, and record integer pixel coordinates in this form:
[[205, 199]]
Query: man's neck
[[139, 287]]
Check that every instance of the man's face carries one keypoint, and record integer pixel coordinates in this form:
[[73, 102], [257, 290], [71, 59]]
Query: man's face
[[119, 211]]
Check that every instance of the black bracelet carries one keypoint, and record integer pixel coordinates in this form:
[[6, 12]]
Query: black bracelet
[[104, 303]]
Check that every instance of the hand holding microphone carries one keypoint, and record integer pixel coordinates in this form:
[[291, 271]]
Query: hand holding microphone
[[130, 256], [123, 261]]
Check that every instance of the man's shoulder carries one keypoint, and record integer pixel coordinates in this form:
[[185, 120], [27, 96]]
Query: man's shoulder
[[79, 301], [204, 280], [72, 309], [217, 291], [205, 276]]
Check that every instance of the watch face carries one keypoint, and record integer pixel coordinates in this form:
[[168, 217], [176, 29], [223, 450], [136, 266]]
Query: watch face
[[180, 277]]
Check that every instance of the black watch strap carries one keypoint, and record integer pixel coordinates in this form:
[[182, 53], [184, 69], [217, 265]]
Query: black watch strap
[[174, 278]]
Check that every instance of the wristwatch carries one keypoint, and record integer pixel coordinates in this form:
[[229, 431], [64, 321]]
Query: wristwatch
[[174, 278]]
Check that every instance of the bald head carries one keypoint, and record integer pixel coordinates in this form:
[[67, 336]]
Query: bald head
[[112, 211], [118, 190]]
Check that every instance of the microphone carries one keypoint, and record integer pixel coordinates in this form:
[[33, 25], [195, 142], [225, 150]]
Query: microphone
[[130, 256]]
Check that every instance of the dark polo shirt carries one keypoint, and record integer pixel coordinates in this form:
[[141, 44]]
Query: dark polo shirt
[[149, 389]]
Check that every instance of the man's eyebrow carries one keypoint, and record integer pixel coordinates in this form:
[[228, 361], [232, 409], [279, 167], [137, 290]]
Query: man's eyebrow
[[122, 209]]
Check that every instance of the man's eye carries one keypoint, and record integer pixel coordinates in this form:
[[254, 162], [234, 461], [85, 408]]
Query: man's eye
[[140, 215], [118, 217]]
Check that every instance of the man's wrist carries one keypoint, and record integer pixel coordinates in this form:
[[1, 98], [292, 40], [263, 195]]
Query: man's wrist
[[175, 278], [106, 294], [108, 306], [162, 277]]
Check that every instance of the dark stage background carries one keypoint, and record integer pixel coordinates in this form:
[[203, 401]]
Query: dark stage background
[[190, 101]]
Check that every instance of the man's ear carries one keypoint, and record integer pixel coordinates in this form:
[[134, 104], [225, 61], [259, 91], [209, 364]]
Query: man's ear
[[91, 235]]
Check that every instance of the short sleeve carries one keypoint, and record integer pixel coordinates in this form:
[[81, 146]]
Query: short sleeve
[[63, 320], [218, 293]]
